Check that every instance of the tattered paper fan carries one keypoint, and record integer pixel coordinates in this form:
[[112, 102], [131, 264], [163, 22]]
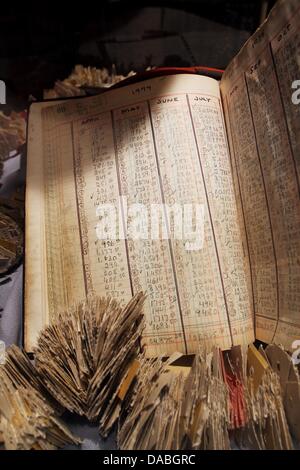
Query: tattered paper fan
[[12, 133], [84, 355], [11, 243], [82, 363], [185, 407], [27, 420]]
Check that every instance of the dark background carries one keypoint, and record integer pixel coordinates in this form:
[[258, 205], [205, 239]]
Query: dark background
[[41, 42]]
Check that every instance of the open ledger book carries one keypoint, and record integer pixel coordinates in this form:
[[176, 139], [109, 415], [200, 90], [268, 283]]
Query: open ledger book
[[228, 152]]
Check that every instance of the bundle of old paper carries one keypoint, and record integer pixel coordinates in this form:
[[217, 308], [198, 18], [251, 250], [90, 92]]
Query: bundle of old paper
[[83, 78], [22, 373], [186, 406], [27, 419], [272, 400], [137, 190], [12, 133], [82, 363], [189, 404], [83, 357], [210, 400]]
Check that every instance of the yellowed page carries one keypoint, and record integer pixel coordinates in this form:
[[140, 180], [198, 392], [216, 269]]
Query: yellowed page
[[263, 127], [161, 145]]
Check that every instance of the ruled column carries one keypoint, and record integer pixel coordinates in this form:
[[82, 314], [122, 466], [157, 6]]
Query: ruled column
[[150, 261], [197, 270], [280, 177]]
